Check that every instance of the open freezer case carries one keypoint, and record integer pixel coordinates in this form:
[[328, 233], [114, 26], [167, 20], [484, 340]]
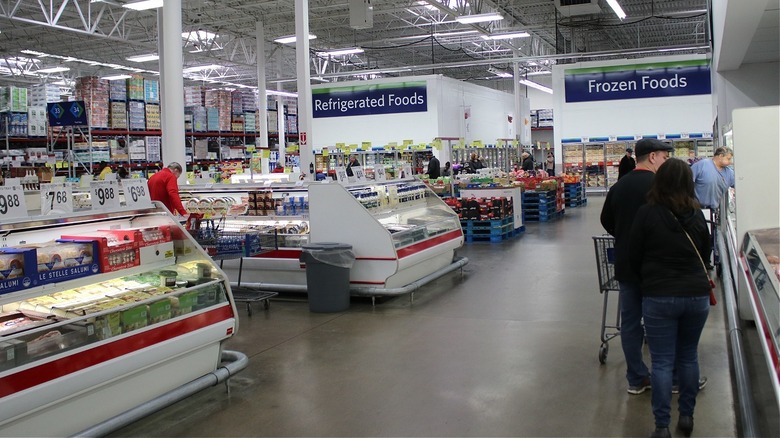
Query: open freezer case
[[102, 312], [760, 262]]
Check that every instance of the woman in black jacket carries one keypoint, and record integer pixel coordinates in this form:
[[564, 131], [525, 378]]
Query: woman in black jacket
[[667, 237]]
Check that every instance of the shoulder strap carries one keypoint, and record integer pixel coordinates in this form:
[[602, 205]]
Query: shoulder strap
[[692, 244]]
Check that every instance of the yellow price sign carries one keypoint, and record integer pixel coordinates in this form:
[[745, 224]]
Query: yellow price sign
[[461, 143], [251, 148], [477, 144], [393, 144], [353, 147], [501, 143], [325, 152], [515, 143], [408, 142], [366, 145], [265, 153], [341, 146], [437, 145]]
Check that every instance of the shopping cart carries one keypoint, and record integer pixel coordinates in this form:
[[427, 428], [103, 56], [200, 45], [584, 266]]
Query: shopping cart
[[605, 262]]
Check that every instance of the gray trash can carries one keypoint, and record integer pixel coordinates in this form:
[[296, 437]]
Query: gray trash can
[[327, 275]]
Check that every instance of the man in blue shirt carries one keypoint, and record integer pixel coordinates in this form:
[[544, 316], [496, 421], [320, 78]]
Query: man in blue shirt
[[713, 177]]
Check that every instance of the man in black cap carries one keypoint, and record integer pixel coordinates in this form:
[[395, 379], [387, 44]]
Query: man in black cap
[[620, 207], [627, 163]]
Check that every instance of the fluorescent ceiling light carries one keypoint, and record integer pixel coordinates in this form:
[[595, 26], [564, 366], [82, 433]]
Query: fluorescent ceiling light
[[35, 53], [503, 74], [281, 93], [143, 58], [65, 83], [427, 5], [616, 8], [340, 52], [53, 70], [116, 77], [291, 39], [538, 73], [202, 67], [455, 33], [479, 18], [198, 35], [532, 84], [506, 36], [144, 5]]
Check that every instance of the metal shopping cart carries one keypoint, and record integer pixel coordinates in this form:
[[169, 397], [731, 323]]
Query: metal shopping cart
[[605, 262]]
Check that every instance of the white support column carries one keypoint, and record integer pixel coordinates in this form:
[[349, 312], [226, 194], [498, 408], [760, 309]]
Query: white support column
[[516, 79], [262, 98], [280, 121], [172, 85], [304, 88]]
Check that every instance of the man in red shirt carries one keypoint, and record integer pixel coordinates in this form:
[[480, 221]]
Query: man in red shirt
[[163, 187]]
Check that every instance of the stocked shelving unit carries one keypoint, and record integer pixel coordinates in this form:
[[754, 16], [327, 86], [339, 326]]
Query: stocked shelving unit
[[98, 327]]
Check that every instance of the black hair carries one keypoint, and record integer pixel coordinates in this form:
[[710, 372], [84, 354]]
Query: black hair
[[673, 187]]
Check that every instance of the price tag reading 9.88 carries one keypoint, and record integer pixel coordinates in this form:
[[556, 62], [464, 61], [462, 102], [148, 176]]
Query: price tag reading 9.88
[[12, 202], [105, 195]]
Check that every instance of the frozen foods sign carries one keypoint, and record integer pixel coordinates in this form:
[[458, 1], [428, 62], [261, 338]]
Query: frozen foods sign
[[663, 79], [405, 97]]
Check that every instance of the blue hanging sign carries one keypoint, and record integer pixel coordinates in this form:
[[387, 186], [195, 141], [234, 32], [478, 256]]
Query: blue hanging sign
[[663, 79], [405, 97], [72, 113]]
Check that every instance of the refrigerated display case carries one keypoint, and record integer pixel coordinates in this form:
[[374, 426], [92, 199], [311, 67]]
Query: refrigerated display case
[[102, 312], [760, 263], [400, 230]]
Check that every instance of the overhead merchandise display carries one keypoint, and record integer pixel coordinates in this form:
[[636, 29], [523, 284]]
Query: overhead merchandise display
[[89, 309]]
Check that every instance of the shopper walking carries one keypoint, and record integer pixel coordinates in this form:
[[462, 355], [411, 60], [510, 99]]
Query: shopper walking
[[627, 163], [105, 170], [434, 168], [713, 177], [528, 161], [164, 187], [353, 162], [447, 171], [667, 240], [549, 165], [620, 207]]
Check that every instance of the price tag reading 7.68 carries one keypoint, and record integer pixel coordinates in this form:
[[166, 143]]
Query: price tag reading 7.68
[[56, 198], [136, 193], [12, 202], [105, 195]]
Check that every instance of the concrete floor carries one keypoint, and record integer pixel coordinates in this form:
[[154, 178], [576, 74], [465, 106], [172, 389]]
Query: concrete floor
[[507, 348]]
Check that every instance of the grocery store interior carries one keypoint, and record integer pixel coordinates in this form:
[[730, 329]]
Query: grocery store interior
[[368, 217]]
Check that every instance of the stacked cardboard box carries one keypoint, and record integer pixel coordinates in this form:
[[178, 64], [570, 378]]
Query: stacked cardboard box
[[199, 119], [13, 124], [249, 98], [135, 88], [41, 94], [118, 150], [151, 90], [212, 116], [117, 90], [13, 99], [152, 116], [250, 122], [237, 102], [545, 118], [153, 149], [94, 93], [137, 149], [36, 121], [136, 114], [118, 115], [221, 100], [193, 96]]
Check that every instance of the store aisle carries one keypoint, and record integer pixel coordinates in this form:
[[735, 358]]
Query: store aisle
[[508, 348]]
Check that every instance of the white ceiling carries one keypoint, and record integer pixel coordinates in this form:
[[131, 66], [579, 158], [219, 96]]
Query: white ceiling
[[408, 37]]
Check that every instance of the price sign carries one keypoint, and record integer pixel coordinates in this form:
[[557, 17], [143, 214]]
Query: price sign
[[360, 176], [406, 171], [325, 152], [56, 198], [366, 145], [341, 146], [12, 202], [379, 173], [341, 175], [136, 193], [105, 195]]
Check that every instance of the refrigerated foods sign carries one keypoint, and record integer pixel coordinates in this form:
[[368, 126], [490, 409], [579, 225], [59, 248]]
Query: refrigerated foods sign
[[664, 79], [362, 100]]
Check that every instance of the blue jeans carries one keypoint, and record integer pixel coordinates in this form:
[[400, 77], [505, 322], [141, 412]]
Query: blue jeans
[[673, 326], [632, 335]]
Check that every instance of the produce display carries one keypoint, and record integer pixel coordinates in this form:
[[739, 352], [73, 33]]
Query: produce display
[[481, 208]]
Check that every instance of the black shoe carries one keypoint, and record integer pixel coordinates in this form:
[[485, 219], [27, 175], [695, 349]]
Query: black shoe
[[685, 425], [661, 432]]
